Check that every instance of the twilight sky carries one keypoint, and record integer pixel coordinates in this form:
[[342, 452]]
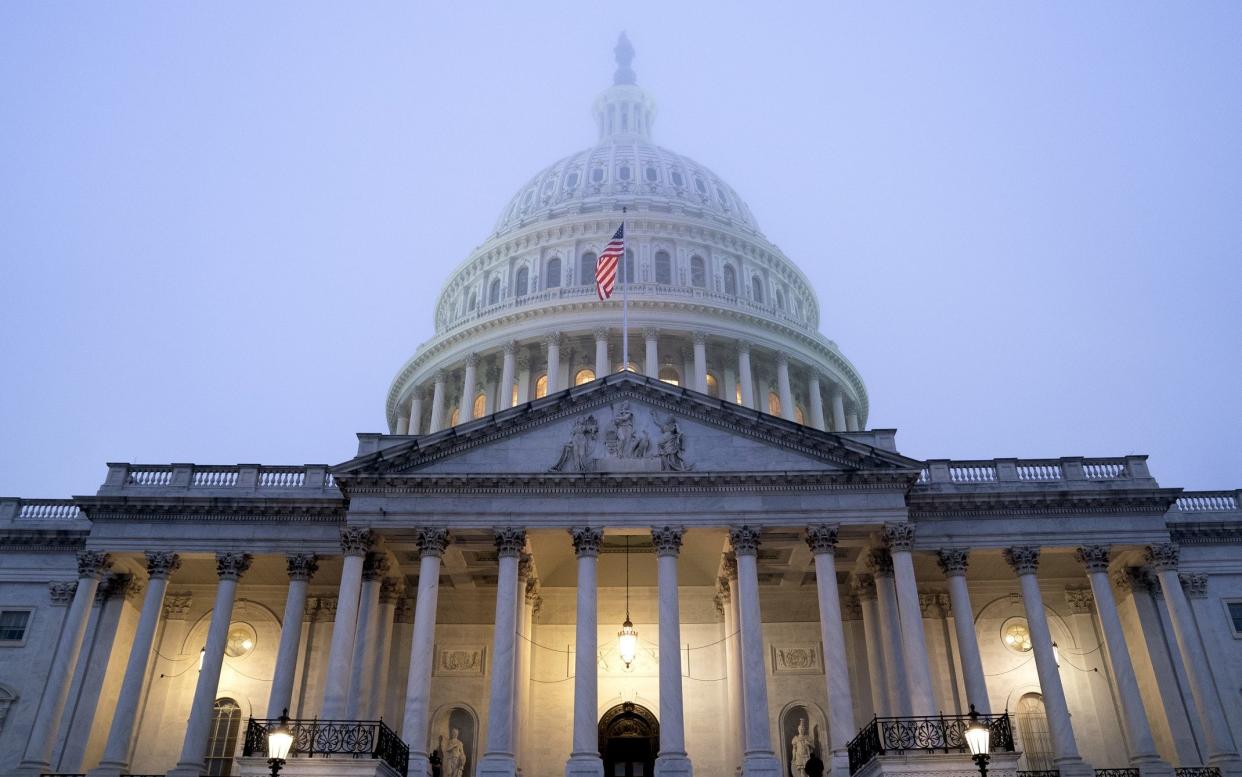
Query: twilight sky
[[223, 225]]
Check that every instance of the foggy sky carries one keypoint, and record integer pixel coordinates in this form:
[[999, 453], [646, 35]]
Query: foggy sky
[[223, 225]]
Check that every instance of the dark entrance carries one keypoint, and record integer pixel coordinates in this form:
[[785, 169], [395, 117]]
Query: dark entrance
[[629, 739]]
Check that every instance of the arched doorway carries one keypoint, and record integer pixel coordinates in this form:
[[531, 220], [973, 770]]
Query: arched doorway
[[629, 740]]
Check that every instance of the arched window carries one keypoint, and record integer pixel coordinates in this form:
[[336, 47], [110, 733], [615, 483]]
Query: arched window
[[799, 415], [1033, 738], [627, 367], [629, 265], [473, 302], [584, 376], [738, 393], [493, 291], [712, 385], [513, 396], [552, 277], [222, 741], [541, 386], [756, 288], [455, 415], [670, 375], [586, 269], [730, 280], [479, 408], [780, 299], [698, 272], [521, 283], [774, 403], [663, 267]]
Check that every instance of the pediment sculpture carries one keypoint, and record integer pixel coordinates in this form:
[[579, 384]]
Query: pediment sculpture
[[629, 444]]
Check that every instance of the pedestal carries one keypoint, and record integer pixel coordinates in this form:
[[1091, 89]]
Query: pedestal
[[584, 765], [319, 766], [673, 765], [497, 765]]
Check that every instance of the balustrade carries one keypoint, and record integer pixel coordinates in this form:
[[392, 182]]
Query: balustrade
[[48, 510], [217, 477], [1207, 501], [355, 738], [936, 734]]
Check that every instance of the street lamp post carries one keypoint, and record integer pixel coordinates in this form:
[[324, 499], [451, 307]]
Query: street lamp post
[[279, 742], [979, 740]]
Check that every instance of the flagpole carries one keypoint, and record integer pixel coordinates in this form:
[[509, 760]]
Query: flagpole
[[625, 300]]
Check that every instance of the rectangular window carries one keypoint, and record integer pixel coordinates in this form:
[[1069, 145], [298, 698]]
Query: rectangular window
[[1235, 617], [13, 625]]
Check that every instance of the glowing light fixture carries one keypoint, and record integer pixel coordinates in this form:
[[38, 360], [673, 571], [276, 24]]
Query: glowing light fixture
[[627, 637], [979, 740], [279, 742], [202, 653], [1056, 654]]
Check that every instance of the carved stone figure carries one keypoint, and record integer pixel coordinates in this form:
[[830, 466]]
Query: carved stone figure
[[454, 763], [671, 446], [801, 748], [631, 443], [579, 453]]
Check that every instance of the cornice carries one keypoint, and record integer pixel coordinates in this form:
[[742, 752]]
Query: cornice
[[213, 509], [930, 506], [43, 540], [1206, 532]]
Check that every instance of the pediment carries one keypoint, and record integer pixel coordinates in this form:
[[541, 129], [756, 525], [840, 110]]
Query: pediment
[[629, 425]]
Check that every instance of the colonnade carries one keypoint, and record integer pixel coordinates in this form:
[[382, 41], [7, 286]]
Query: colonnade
[[485, 382], [897, 656]]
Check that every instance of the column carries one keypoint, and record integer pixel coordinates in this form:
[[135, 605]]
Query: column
[[524, 568], [355, 542], [782, 386], [865, 590], [672, 760], [530, 601], [584, 760], [416, 412], [553, 343], [1164, 559], [415, 726], [732, 719], [838, 410], [403, 421], [499, 760], [880, 564], [507, 364], [700, 364], [851, 421], [737, 693], [524, 387], [301, 568], [437, 402], [744, 374], [1142, 744], [651, 353], [822, 540], [602, 365], [374, 706], [374, 567], [469, 385], [817, 402], [229, 567], [899, 537], [953, 562], [1025, 560], [160, 567], [92, 565], [758, 760]]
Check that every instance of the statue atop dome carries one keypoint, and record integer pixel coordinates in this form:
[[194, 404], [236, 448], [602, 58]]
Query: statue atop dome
[[624, 52]]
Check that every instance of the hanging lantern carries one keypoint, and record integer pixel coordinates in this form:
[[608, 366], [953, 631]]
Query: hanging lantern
[[627, 637]]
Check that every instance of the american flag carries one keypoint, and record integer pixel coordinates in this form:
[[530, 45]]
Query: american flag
[[606, 265]]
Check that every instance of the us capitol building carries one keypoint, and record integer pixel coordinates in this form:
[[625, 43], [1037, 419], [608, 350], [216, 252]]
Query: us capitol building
[[556, 563]]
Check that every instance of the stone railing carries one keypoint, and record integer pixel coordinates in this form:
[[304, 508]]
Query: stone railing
[[44, 510], [218, 479], [937, 734], [1208, 502], [311, 738], [637, 291], [1033, 471]]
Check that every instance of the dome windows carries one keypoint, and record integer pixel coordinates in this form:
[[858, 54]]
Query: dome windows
[[629, 265], [730, 280], [521, 283], [493, 292], [586, 269], [552, 275], [663, 268], [800, 415], [780, 300], [698, 272], [699, 185], [571, 181], [472, 303], [479, 408], [670, 375], [623, 172], [585, 375], [678, 179], [598, 175], [756, 288], [713, 386], [541, 386], [774, 403], [651, 174]]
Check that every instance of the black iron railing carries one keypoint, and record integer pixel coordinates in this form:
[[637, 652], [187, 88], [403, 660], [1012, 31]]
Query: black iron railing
[[1039, 773], [940, 734], [1197, 771], [356, 738], [1116, 773]]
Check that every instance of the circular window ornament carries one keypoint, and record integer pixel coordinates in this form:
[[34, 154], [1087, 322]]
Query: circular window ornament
[[241, 640], [1016, 635]]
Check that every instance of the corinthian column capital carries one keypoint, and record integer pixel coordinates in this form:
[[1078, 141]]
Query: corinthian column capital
[[161, 564]]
